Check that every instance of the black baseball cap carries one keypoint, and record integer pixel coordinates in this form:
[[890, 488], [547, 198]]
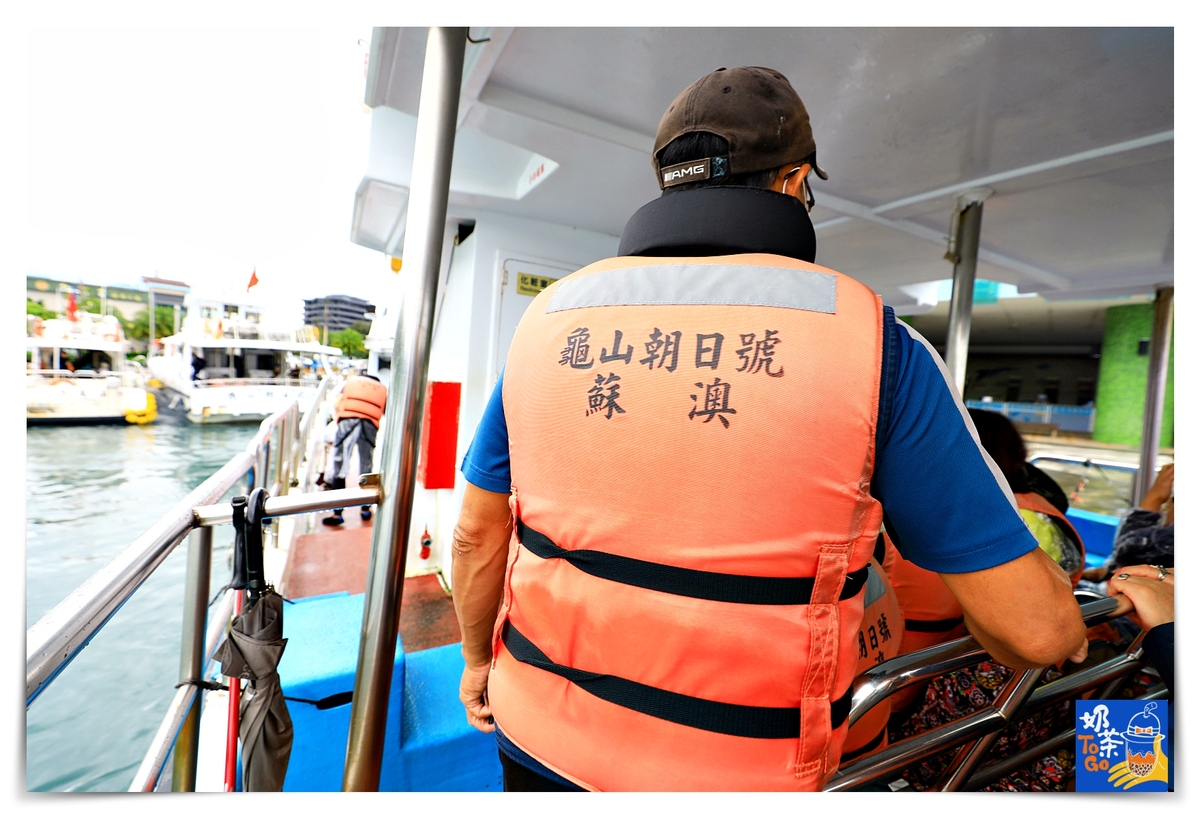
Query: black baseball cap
[[755, 109]]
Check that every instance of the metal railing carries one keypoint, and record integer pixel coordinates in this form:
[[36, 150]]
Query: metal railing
[[126, 377], [271, 459], [223, 382], [196, 666], [973, 734], [1037, 456]]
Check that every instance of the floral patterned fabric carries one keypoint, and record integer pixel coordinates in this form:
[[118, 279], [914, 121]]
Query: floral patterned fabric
[[960, 693]]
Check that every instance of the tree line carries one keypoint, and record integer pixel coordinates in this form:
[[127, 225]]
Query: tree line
[[350, 341]]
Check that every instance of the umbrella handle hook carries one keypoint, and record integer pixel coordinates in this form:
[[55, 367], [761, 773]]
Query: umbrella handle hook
[[238, 581], [256, 507]]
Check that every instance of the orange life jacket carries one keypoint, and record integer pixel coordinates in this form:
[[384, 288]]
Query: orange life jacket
[[1032, 501], [932, 615], [361, 398], [692, 442], [877, 642]]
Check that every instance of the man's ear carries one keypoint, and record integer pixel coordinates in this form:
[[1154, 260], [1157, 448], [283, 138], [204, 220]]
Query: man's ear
[[789, 180]]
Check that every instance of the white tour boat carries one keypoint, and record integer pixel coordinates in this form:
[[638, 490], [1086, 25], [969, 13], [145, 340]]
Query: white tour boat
[[226, 366], [77, 373]]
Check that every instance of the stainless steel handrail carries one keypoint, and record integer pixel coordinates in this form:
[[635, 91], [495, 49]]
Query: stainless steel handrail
[[1015, 762], [221, 383], [164, 739], [146, 778], [441, 81], [1010, 700], [887, 678], [56, 639], [872, 687], [222, 513], [1099, 463], [182, 715], [300, 448]]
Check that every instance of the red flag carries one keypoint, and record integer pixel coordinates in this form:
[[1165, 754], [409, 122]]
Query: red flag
[[72, 308], [253, 279]]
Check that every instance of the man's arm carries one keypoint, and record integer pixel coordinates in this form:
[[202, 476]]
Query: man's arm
[[1023, 611], [948, 508], [481, 540]]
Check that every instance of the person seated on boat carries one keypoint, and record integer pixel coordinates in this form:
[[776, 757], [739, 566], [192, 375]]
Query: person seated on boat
[[931, 613], [197, 366], [879, 640], [690, 528], [1040, 501], [1146, 534], [358, 411]]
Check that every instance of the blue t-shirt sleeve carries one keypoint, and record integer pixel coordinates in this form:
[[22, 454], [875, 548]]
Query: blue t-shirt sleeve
[[486, 462], [946, 504]]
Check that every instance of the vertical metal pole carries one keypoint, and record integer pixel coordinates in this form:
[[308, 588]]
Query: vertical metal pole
[[436, 123], [150, 329], [1008, 701], [191, 659], [1156, 391], [966, 254]]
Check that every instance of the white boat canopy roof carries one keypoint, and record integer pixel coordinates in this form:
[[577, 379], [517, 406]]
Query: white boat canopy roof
[[1071, 128]]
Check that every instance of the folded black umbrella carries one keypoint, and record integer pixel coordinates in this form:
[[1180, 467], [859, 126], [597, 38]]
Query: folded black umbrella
[[252, 650]]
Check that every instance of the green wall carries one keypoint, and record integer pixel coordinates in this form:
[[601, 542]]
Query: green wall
[[1121, 384]]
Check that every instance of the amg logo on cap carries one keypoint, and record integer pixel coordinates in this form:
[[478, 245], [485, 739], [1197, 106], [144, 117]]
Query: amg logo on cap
[[692, 171]]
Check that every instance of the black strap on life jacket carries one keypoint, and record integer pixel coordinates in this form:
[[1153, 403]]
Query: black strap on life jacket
[[932, 625], [669, 579], [704, 714], [880, 553], [866, 748]]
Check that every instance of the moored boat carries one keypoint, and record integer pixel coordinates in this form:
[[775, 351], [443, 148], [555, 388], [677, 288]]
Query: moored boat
[[78, 374], [226, 366]]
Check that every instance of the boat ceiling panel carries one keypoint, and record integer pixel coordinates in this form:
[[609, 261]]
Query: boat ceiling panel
[[1026, 321], [896, 113]]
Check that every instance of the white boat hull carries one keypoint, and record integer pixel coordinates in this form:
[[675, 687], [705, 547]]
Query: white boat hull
[[235, 402], [78, 401]]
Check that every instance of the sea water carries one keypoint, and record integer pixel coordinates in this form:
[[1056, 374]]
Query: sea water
[[90, 491]]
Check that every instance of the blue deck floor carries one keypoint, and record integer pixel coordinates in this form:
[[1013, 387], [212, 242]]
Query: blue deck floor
[[428, 744]]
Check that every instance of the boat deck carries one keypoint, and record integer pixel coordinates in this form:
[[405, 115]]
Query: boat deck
[[335, 560]]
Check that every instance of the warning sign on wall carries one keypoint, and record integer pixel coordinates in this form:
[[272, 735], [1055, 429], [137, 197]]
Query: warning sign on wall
[[532, 285]]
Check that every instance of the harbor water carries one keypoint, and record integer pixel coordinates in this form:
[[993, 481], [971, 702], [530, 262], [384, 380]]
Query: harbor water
[[90, 491]]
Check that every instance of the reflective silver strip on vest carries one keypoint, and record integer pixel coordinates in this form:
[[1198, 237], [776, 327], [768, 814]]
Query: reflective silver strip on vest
[[875, 587], [723, 284]]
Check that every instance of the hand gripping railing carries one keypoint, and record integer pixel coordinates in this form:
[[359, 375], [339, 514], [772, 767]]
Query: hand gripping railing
[[974, 733]]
